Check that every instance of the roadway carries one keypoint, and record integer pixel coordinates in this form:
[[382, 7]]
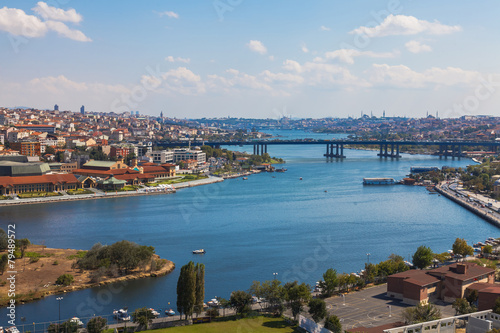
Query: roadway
[[484, 205]]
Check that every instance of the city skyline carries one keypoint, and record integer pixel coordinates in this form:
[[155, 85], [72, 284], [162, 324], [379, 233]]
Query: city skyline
[[252, 59]]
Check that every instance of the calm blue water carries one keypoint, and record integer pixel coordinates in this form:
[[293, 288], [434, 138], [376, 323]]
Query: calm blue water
[[254, 228]]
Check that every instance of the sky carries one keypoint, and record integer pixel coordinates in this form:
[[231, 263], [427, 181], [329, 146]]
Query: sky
[[253, 58]]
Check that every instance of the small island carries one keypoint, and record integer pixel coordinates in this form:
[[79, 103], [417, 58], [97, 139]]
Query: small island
[[43, 271]]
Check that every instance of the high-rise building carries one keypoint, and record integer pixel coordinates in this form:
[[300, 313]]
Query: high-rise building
[[82, 109], [56, 107]]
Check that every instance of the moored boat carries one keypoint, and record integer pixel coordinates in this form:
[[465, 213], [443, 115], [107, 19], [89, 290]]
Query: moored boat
[[200, 251]]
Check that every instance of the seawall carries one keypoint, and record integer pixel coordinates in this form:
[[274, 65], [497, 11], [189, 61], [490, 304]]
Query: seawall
[[491, 219]]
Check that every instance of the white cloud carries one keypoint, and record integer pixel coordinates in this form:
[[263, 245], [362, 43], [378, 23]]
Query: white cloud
[[406, 25], [304, 49], [257, 46], [347, 55], [180, 80], [281, 77], [60, 85], [405, 77], [57, 14], [271, 57], [315, 73], [63, 30], [178, 59], [416, 47], [169, 14], [18, 23], [323, 28]]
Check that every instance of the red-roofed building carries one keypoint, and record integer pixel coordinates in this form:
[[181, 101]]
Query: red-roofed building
[[487, 294], [447, 282], [44, 183]]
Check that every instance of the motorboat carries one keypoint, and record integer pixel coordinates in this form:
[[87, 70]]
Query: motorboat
[[213, 302], [77, 321], [170, 312], [154, 312], [200, 251], [121, 315]]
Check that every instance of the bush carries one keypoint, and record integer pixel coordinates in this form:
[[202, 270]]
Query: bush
[[65, 279], [34, 259]]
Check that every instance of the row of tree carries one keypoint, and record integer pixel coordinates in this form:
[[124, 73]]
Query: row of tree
[[191, 289]]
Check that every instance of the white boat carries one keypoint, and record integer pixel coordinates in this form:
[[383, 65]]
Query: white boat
[[170, 312], [77, 321], [154, 312], [200, 251], [121, 315], [213, 302]]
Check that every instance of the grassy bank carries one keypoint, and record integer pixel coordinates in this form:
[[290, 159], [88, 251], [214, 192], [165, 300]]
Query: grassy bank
[[255, 325]]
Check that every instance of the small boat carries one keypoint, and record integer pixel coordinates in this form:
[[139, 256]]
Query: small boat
[[170, 312], [200, 251], [245, 178], [213, 302], [300, 178], [77, 321], [121, 315], [154, 312]]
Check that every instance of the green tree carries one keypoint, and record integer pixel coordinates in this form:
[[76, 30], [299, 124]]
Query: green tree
[[21, 245], [329, 283], [143, 317], [496, 308], [472, 296], [461, 306], [317, 309], [295, 295], [370, 273], [186, 290], [422, 257], [200, 288], [3, 240], [240, 301], [96, 325], [4, 260], [420, 313], [333, 324], [462, 248], [65, 279], [487, 249]]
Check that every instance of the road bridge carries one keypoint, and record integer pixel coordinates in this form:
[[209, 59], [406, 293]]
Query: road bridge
[[335, 148]]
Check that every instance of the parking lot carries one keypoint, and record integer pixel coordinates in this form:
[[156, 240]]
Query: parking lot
[[371, 307]]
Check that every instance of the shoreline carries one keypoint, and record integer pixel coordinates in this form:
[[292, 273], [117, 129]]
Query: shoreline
[[108, 195], [45, 272], [490, 218]]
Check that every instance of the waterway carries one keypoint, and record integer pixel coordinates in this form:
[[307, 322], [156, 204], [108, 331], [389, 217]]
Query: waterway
[[270, 223]]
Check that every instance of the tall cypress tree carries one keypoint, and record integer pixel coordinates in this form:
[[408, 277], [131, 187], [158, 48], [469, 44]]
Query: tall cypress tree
[[186, 290], [200, 288]]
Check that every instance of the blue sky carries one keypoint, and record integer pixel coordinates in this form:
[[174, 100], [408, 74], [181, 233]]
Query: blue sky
[[243, 58]]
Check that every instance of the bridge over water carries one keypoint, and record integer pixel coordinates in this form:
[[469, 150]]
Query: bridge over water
[[335, 148]]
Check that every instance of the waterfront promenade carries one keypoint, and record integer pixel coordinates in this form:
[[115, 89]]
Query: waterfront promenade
[[476, 203], [97, 194]]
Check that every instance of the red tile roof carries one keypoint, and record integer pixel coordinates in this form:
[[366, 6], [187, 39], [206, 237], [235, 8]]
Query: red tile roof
[[473, 271], [417, 277], [45, 179]]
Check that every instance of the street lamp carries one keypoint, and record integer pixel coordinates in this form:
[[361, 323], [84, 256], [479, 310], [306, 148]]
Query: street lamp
[[275, 275], [59, 299], [368, 255], [390, 310]]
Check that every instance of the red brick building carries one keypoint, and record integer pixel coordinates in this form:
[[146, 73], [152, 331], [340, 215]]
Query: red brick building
[[446, 283], [28, 148]]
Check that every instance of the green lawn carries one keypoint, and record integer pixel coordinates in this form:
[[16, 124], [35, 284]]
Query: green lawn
[[79, 191], [254, 325]]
